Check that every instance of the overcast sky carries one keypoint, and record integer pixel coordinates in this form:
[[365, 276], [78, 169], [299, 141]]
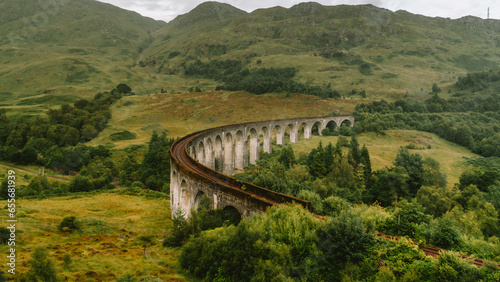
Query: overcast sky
[[167, 10]]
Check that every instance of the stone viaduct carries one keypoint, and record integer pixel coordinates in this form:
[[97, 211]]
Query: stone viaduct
[[203, 162]]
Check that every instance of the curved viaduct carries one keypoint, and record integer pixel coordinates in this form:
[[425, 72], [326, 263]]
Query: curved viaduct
[[203, 162]]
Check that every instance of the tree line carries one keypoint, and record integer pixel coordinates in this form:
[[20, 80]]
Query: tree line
[[468, 118], [235, 77], [50, 141]]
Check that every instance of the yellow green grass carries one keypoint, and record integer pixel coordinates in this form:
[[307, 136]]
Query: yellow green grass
[[24, 177], [384, 148], [107, 245], [182, 114]]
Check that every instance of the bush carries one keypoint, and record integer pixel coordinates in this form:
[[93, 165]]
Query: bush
[[450, 267], [446, 235], [180, 231], [123, 135], [137, 184], [4, 235], [68, 224], [343, 240], [42, 267], [80, 184]]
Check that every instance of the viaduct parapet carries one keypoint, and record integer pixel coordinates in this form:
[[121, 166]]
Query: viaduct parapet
[[202, 163]]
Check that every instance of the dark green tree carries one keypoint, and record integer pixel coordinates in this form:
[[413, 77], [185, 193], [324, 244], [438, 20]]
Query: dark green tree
[[414, 166], [123, 88], [389, 186], [406, 219], [435, 88], [80, 184], [433, 176], [354, 152], [317, 167], [366, 162], [287, 157], [342, 240], [156, 162], [329, 156], [68, 224], [42, 267]]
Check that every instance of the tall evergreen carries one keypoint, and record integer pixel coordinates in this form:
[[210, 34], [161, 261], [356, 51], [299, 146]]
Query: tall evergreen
[[367, 165], [354, 153], [156, 164], [329, 156]]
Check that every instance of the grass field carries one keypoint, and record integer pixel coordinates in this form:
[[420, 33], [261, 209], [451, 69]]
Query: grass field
[[106, 246], [181, 114], [384, 148]]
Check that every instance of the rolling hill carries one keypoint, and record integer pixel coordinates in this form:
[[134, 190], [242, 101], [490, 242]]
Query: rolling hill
[[53, 53], [351, 47]]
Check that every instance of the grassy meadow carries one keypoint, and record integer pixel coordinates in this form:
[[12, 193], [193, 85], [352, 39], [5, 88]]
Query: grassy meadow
[[106, 246], [181, 114]]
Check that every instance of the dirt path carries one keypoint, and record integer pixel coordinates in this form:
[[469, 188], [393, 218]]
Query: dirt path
[[31, 171]]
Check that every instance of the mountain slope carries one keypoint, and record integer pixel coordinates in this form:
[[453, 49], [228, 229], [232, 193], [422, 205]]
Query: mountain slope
[[52, 53], [400, 52], [75, 46]]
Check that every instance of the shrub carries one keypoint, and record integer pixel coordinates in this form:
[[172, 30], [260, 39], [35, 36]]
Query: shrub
[[42, 267], [68, 224], [446, 235], [123, 135], [137, 184], [343, 240], [80, 184], [180, 231], [4, 235]]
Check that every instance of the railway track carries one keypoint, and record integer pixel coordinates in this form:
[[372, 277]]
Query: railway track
[[435, 251], [180, 154]]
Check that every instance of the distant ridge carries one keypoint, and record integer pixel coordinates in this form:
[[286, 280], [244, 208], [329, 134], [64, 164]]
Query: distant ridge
[[211, 11]]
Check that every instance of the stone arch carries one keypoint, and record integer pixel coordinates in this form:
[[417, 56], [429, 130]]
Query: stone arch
[[184, 197], [218, 160], [292, 131], [266, 140], [316, 128], [198, 199], [192, 151], [239, 150], [332, 126], [346, 122], [254, 146], [201, 153], [302, 131], [228, 167], [209, 154], [232, 214]]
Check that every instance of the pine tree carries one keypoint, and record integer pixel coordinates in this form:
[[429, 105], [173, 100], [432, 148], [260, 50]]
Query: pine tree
[[329, 156], [42, 267], [318, 167], [365, 161], [354, 153]]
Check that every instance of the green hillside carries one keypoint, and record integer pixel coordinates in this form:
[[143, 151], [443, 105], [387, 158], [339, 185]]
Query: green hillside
[[53, 52], [351, 47]]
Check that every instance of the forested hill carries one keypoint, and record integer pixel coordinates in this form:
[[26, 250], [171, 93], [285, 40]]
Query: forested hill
[[66, 48]]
